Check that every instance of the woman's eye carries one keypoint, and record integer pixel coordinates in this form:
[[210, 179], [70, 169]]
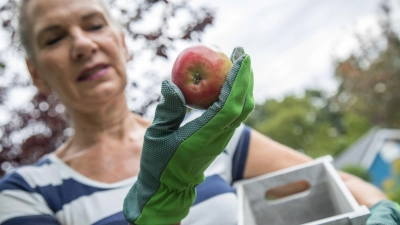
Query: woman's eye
[[53, 40], [96, 27]]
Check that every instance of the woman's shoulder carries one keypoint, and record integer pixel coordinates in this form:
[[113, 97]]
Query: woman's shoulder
[[22, 193], [28, 176]]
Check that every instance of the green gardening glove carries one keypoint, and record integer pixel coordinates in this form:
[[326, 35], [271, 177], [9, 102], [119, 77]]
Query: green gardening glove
[[384, 212], [174, 158]]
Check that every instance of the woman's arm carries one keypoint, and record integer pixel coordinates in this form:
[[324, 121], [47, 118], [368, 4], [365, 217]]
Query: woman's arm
[[364, 192], [266, 155]]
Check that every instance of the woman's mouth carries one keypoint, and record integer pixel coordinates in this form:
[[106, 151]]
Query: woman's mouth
[[93, 73]]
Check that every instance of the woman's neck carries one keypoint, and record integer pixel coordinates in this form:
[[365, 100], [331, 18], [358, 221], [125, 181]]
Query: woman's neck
[[106, 148], [110, 125]]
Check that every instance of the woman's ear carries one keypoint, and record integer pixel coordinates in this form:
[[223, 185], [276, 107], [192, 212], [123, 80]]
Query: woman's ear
[[38, 81]]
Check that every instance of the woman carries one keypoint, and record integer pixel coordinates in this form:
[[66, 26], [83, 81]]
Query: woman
[[76, 50]]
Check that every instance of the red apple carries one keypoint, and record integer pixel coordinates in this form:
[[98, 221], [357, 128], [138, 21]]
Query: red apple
[[199, 72]]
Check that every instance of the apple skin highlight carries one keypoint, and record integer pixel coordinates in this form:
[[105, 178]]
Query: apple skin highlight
[[199, 72]]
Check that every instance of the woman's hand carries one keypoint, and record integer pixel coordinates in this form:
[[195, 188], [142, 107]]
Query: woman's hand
[[175, 157]]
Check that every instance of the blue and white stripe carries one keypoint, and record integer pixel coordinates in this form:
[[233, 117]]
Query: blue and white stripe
[[51, 193]]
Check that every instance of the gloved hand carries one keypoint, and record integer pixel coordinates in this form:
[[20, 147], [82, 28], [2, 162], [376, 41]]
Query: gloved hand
[[384, 212], [174, 158]]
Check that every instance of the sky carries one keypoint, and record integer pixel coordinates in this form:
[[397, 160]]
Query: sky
[[292, 44]]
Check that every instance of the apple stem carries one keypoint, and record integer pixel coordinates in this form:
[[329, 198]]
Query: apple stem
[[197, 78]]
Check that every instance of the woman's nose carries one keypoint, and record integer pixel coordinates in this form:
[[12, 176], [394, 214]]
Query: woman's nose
[[82, 45]]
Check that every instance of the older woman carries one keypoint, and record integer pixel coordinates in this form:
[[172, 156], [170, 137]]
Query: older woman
[[77, 51]]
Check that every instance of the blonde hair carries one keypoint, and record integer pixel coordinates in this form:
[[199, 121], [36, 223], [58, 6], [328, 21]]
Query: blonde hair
[[24, 30]]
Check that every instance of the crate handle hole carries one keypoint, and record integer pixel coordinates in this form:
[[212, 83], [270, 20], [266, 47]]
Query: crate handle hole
[[287, 190]]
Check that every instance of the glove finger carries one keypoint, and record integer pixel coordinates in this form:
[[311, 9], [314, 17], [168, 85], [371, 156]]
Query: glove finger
[[171, 111], [249, 102], [237, 53], [236, 100], [157, 147]]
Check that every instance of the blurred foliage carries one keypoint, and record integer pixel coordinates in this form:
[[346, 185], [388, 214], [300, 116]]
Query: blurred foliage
[[42, 125], [358, 171], [367, 96], [370, 78], [312, 124], [392, 185]]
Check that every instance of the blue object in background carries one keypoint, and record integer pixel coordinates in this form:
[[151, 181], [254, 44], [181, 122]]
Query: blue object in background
[[379, 171]]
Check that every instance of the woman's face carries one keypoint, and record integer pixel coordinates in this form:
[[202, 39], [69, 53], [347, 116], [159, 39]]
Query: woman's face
[[78, 52]]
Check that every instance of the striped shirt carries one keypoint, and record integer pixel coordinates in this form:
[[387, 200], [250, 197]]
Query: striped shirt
[[50, 192]]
